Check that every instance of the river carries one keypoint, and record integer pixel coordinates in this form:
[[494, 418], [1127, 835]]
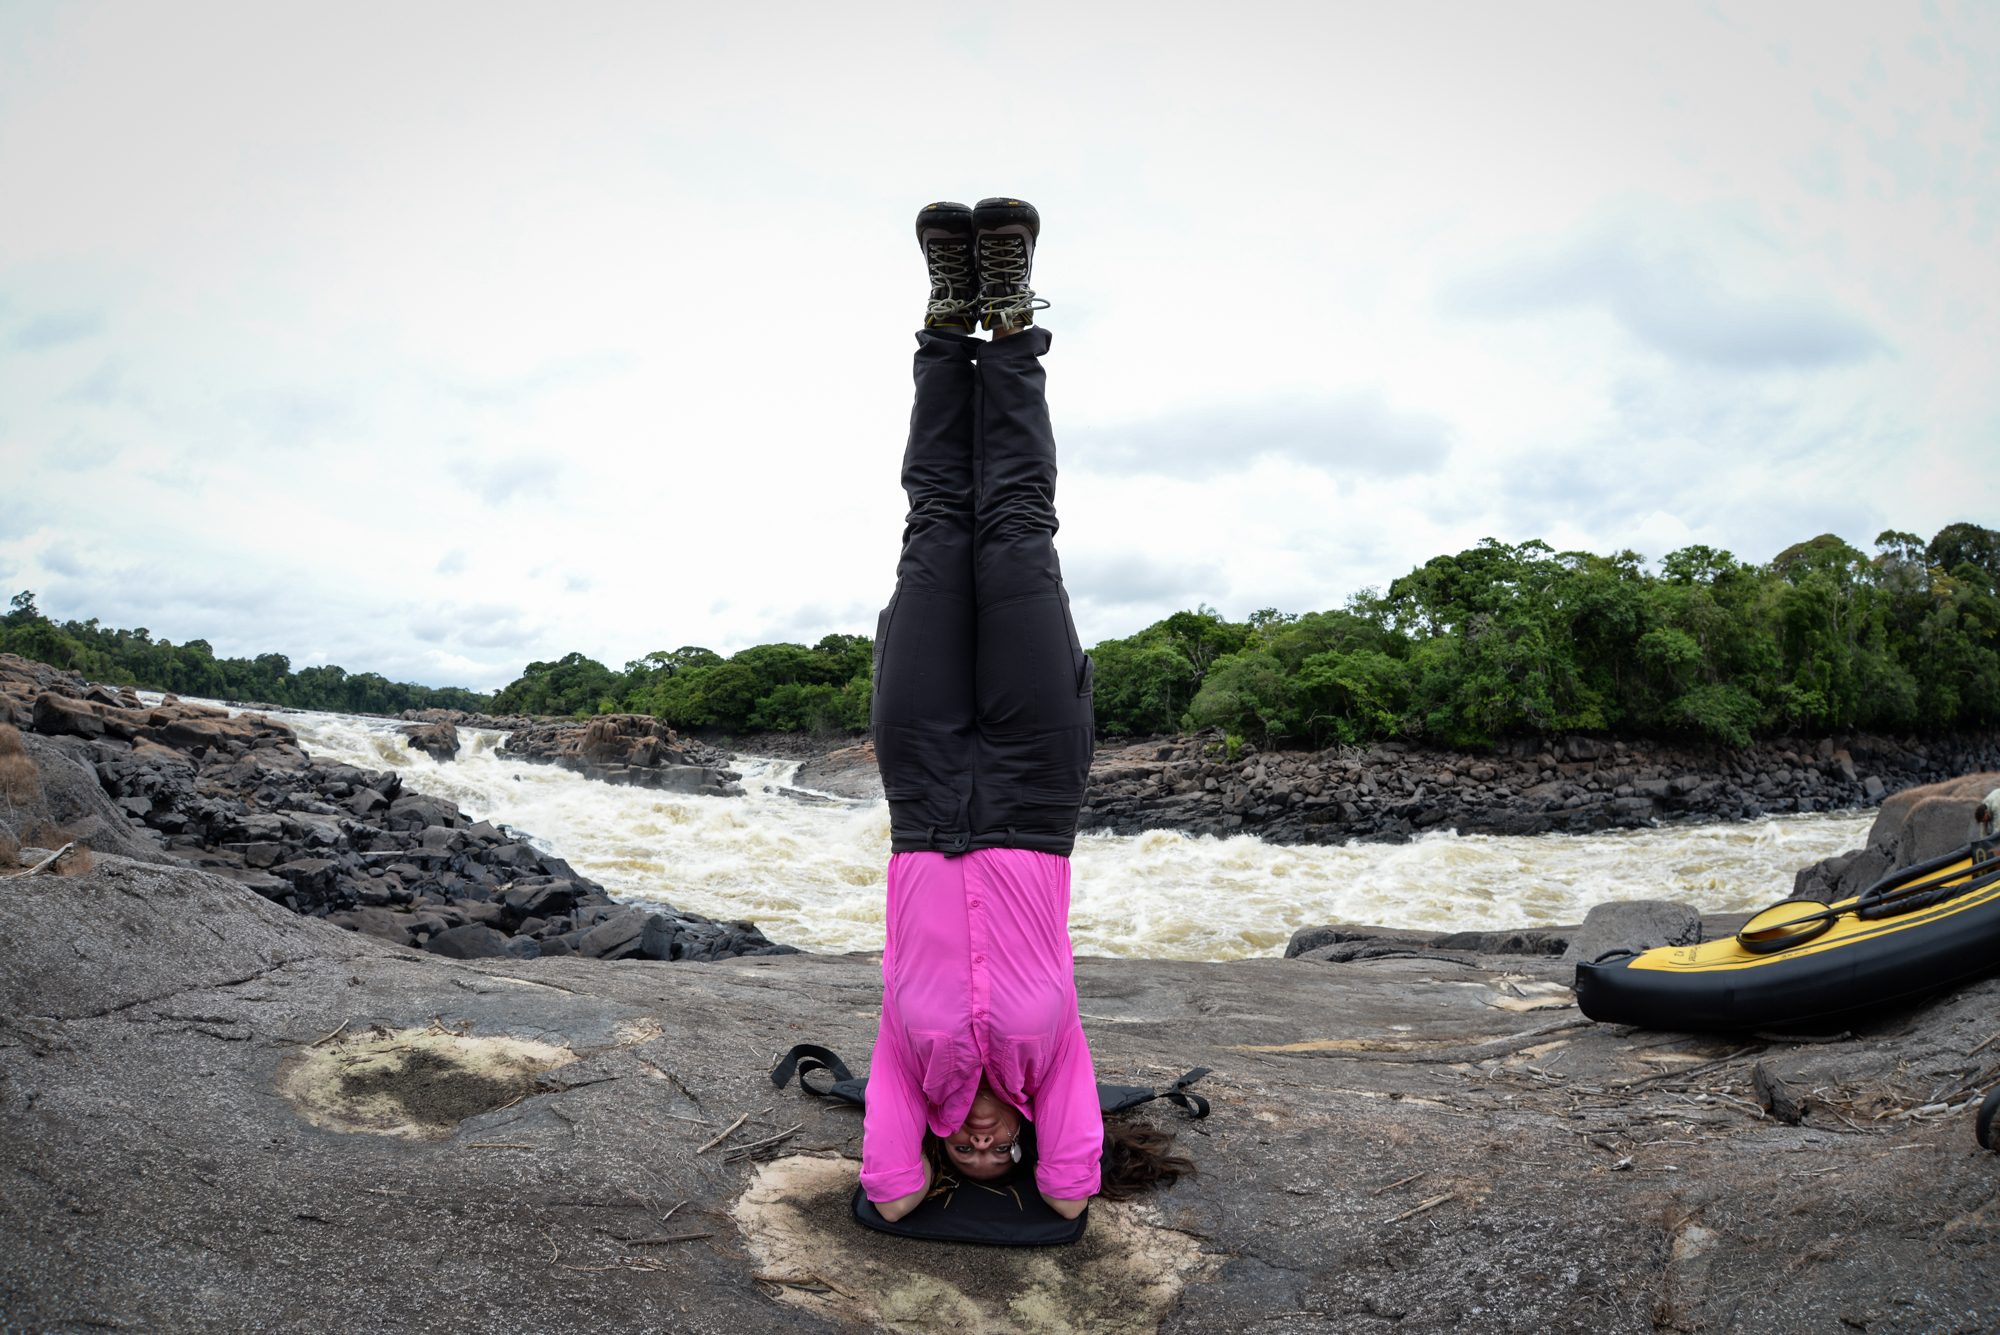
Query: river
[[811, 875]]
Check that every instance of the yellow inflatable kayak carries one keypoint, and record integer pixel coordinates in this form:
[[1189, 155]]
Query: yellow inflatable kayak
[[1801, 962]]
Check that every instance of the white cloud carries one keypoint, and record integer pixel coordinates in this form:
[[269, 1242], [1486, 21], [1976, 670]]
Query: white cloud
[[1355, 432], [54, 330], [1670, 297], [520, 477], [613, 313]]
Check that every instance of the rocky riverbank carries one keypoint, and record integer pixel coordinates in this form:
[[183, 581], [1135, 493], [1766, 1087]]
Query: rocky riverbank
[[1390, 792], [1915, 825], [239, 797], [1564, 784], [216, 1113]]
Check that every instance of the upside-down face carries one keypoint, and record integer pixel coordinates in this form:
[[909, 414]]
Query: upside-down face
[[984, 1147]]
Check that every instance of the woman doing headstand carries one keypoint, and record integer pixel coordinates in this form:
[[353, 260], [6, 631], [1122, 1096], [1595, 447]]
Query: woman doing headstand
[[984, 732]]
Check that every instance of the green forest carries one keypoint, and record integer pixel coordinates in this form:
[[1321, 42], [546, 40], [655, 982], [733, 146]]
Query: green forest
[[768, 687], [134, 658], [1496, 641], [1500, 641]]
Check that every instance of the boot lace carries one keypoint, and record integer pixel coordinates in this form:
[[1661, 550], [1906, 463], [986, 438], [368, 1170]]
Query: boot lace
[[950, 264], [1003, 262]]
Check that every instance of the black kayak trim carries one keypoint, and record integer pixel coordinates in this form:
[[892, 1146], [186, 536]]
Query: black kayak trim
[[1924, 931]]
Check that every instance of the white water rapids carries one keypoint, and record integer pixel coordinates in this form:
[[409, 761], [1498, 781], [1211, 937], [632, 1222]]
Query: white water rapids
[[811, 876]]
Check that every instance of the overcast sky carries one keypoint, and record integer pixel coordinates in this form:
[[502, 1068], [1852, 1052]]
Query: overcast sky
[[432, 339]]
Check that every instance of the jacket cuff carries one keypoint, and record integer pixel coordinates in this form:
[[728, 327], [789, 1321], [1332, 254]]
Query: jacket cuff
[[892, 1184], [1067, 1182]]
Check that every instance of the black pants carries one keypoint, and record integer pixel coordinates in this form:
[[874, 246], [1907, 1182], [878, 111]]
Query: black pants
[[982, 709]]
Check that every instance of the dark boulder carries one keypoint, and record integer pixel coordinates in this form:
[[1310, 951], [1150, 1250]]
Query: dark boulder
[[634, 749], [417, 811], [308, 876], [379, 923], [365, 801], [474, 941], [538, 899], [657, 941], [1340, 933], [1912, 826], [618, 937], [850, 772], [56, 716], [438, 740], [1527, 941], [1635, 925], [519, 856]]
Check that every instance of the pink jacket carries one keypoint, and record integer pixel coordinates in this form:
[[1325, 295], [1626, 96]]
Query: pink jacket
[[978, 976]]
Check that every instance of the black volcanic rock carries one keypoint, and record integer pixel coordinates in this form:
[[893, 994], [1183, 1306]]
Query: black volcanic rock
[[238, 796]]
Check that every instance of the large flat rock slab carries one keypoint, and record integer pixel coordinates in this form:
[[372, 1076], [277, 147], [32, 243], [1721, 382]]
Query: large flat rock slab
[[1395, 1145]]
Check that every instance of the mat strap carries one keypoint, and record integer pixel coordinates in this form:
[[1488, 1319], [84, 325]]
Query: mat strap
[[804, 1059]]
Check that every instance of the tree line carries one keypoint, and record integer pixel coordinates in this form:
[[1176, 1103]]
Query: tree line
[[134, 658], [1501, 641], [1493, 642], [773, 687]]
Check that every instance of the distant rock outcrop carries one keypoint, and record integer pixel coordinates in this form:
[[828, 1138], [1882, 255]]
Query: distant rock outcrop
[[634, 749], [437, 740], [849, 772], [1391, 791]]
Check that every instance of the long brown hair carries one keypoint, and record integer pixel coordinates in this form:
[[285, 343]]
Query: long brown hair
[[1141, 1160]]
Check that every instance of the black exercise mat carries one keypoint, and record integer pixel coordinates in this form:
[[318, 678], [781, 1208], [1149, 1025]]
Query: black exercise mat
[[1009, 1212]]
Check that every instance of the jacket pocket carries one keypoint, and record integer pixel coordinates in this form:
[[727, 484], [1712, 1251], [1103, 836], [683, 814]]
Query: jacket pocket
[[1022, 1064], [1086, 680], [941, 1063]]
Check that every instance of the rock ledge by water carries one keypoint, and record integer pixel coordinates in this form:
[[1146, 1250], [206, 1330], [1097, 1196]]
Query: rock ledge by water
[[238, 796]]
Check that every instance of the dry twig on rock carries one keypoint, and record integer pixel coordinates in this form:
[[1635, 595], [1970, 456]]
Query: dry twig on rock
[[49, 861], [1692, 1070], [744, 1151], [724, 1135], [1429, 1204], [1399, 1183]]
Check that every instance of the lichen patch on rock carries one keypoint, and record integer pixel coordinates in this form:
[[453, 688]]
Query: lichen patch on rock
[[417, 1084], [1121, 1279]]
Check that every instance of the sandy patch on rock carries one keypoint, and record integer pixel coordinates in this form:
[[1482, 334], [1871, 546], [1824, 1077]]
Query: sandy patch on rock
[[1121, 1279], [417, 1084]]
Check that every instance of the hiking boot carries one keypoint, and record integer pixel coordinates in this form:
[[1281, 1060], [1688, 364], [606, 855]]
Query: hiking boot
[[944, 232], [1004, 248]]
